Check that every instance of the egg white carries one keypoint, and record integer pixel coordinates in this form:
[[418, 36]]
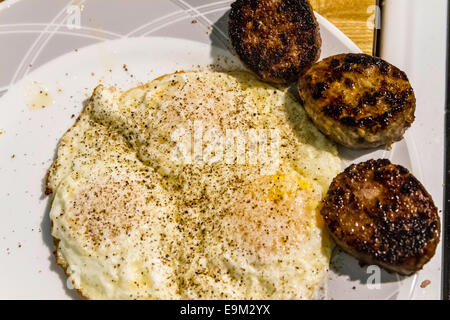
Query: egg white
[[130, 222]]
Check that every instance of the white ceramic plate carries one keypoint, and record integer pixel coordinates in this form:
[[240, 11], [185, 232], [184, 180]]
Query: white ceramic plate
[[151, 39]]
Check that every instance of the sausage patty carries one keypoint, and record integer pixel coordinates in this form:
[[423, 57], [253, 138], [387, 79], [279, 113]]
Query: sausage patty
[[381, 214], [276, 39], [358, 100]]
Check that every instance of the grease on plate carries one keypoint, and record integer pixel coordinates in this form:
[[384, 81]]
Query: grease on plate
[[38, 96]]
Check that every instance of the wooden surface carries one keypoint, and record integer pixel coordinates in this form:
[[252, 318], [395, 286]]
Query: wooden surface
[[352, 17]]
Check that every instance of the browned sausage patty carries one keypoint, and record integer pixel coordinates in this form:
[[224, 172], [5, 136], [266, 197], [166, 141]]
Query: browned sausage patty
[[381, 214], [358, 100], [276, 39]]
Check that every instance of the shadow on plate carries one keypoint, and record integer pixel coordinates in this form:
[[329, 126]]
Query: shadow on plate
[[54, 267], [345, 265], [222, 53], [48, 239], [351, 155]]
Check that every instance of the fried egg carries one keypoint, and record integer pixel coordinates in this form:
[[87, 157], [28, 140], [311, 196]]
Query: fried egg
[[132, 220]]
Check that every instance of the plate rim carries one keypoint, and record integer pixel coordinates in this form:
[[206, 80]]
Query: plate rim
[[324, 23]]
